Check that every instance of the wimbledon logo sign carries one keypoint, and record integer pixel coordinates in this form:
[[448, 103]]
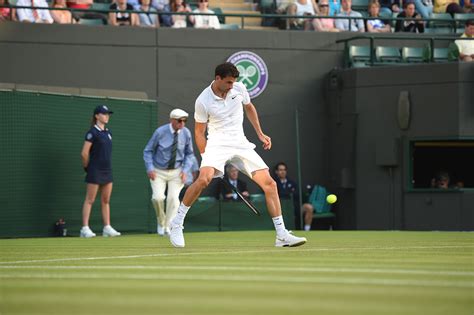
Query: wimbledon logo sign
[[253, 71]]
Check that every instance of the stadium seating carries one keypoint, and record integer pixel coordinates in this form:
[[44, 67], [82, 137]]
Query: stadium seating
[[385, 54], [413, 54], [360, 5], [91, 22], [100, 7], [445, 20], [220, 17], [359, 56]]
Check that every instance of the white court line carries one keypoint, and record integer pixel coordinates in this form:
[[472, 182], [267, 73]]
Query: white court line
[[262, 269], [279, 279], [280, 251]]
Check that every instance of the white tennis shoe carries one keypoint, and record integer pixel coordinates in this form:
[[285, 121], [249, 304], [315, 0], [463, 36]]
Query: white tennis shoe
[[109, 231], [87, 232], [289, 240], [176, 235]]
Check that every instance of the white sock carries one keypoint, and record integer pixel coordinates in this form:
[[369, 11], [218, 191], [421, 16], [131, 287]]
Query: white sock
[[307, 227], [279, 225], [180, 215], [107, 226], [85, 227]]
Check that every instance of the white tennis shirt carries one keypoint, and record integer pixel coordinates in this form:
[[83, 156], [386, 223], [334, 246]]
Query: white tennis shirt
[[224, 117]]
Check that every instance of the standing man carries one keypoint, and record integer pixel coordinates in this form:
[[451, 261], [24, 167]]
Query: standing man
[[220, 109], [168, 156]]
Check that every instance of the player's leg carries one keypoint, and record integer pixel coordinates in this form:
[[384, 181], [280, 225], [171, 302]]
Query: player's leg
[[192, 193], [105, 194], [175, 184], [158, 187], [267, 184], [91, 193]]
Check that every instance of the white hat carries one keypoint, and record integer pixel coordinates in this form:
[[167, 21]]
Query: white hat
[[178, 113]]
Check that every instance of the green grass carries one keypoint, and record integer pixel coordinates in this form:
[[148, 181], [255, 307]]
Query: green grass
[[240, 273]]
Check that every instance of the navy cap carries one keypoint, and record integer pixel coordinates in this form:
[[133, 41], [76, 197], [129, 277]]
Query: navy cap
[[102, 109]]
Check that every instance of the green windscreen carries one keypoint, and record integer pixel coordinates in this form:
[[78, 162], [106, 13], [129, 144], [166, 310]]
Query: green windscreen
[[41, 137]]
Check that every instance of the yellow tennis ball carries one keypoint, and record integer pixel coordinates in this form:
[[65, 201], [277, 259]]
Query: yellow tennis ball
[[331, 198]]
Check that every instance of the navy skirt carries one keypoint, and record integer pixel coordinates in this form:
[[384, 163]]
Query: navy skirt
[[99, 177]]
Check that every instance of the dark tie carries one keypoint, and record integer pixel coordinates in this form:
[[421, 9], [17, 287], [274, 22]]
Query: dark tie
[[174, 149]]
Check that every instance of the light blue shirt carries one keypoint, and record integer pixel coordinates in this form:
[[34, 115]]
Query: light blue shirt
[[157, 152], [357, 25]]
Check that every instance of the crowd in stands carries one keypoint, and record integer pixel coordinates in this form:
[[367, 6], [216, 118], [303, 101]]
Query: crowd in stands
[[374, 18], [146, 13]]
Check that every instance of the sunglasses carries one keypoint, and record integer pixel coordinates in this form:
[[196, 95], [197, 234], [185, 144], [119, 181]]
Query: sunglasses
[[203, 1], [324, 5], [181, 120]]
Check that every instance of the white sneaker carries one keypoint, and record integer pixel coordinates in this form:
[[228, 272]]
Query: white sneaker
[[109, 231], [160, 230], [289, 240], [87, 232], [167, 231], [176, 236]]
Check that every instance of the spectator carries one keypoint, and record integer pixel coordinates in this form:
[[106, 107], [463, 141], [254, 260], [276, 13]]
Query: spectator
[[205, 21], [441, 180], [334, 7], [34, 15], [82, 5], [149, 19], [122, 18], [467, 6], [412, 22], [352, 25], [160, 4], [387, 6], [286, 187], [167, 157], [61, 16], [304, 8], [232, 177], [325, 24], [96, 157], [5, 13], [376, 25], [177, 21], [466, 47], [447, 6], [424, 7], [282, 7], [395, 6]]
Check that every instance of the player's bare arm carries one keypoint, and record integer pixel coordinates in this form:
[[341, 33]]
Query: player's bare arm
[[200, 136], [252, 116]]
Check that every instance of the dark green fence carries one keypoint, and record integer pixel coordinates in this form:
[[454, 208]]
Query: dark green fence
[[41, 137]]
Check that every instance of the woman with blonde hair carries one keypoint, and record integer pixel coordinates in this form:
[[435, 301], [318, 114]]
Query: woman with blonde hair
[[375, 25]]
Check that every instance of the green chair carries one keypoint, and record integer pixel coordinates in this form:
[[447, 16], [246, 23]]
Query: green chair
[[91, 21], [461, 19], [387, 54], [438, 30], [322, 209], [230, 26], [440, 55], [413, 54], [445, 20], [360, 5], [359, 56], [257, 197], [218, 11]]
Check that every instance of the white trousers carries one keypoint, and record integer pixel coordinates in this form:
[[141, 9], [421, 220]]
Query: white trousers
[[172, 180]]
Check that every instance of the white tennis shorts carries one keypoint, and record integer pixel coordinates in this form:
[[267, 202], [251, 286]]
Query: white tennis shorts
[[245, 160]]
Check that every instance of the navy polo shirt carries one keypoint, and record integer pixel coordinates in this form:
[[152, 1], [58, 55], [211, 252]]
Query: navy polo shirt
[[100, 157]]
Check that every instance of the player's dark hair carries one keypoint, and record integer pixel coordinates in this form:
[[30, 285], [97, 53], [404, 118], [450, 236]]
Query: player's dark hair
[[469, 23], [407, 3], [278, 165], [227, 69]]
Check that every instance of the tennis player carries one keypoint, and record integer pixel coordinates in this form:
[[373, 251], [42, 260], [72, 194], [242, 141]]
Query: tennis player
[[220, 109]]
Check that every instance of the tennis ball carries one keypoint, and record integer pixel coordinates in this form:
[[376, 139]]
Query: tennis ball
[[331, 198]]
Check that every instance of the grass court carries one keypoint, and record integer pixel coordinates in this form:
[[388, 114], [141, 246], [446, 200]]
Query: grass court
[[336, 272]]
